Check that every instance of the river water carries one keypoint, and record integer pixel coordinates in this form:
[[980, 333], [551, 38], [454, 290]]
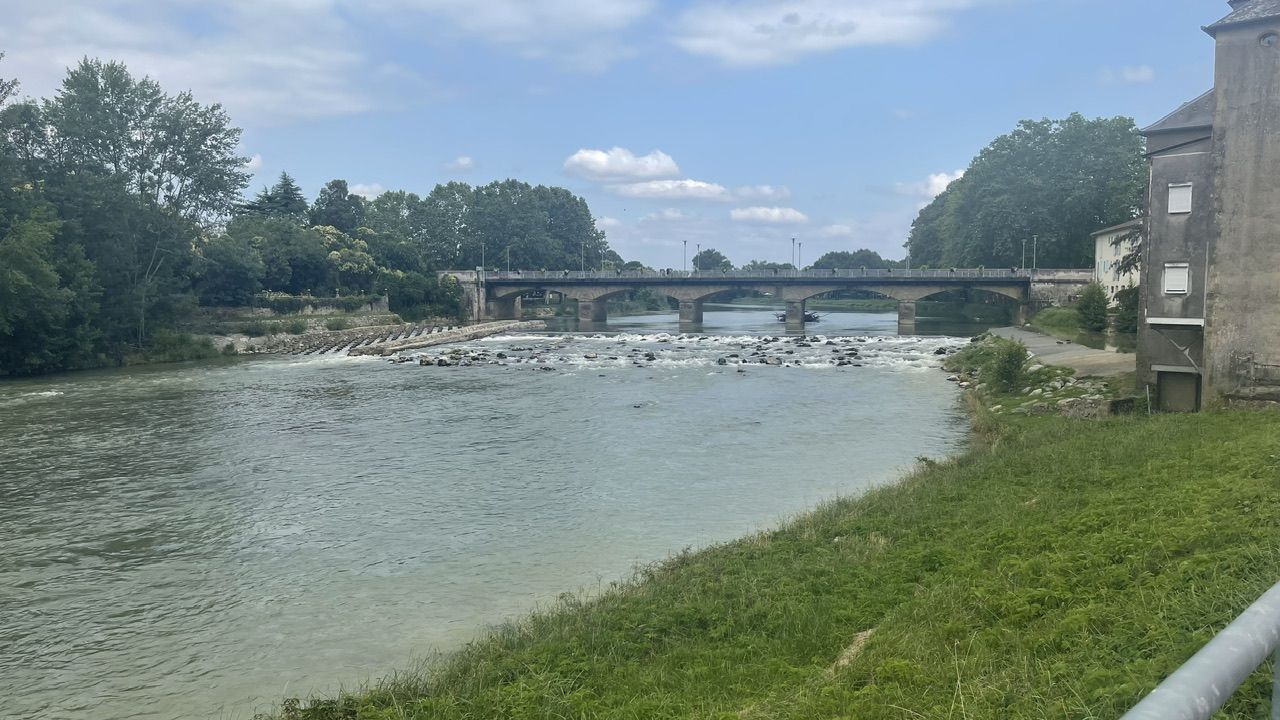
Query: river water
[[203, 540]]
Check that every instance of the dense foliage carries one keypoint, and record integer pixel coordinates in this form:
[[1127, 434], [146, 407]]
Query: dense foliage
[[121, 212], [711, 259], [843, 260], [1054, 180]]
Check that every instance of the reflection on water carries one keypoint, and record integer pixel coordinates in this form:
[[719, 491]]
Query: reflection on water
[[192, 540]]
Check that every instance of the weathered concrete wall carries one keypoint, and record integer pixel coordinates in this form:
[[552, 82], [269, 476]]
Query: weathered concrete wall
[[1242, 354], [1178, 238]]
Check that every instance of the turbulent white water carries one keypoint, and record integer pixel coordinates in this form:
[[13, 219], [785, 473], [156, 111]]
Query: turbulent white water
[[199, 540]]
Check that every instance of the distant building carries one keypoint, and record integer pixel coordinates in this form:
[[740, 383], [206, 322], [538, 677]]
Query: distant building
[[1110, 246], [1210, 327]]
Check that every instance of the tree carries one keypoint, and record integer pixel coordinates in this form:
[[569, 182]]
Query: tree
[[843, 260], [336, 207], [766, 266], [1127, 301], [168, 149], [284, 199], [1059, 180], [711, 259], [232, 271], [1092, 307]]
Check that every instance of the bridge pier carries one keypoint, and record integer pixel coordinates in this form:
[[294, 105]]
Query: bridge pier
[[507, 308], [795, 316], [690, 316], [907, 317], [1021, 314], [593, 315]]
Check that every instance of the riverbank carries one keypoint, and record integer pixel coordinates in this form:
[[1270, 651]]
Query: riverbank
[[1058, 569]]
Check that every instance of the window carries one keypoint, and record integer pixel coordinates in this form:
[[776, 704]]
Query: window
[[1177, 278], [1180, 199]]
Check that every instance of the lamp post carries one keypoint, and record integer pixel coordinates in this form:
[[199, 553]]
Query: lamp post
[[1023, 265], [793, 253], [508, 259], [800, 256], [684, 257], [1035, 242]]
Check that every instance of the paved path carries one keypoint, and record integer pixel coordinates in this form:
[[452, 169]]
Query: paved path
[[1087, 362]]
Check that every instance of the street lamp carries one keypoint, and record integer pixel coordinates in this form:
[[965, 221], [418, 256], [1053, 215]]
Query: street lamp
[[793, 252], [1023, 265], [800, 256], [684, 257], [508, 259], [1035, 241]]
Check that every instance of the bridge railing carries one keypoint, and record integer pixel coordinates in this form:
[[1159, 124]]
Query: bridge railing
[[1204, 683], [764, 276]]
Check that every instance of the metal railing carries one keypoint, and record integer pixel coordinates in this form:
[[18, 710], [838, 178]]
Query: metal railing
[[767, 275], [1204, 683]]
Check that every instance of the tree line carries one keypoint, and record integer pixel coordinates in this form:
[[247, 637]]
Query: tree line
[[713, 260], [122, 212]]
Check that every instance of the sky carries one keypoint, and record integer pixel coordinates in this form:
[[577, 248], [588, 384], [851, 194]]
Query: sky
[[728, 124]]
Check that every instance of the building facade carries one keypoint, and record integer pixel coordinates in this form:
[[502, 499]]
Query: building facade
[[1210, 328], [1110, 247]]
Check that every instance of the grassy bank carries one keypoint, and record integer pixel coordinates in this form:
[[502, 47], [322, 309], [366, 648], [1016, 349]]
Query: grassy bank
[[1058, 570]]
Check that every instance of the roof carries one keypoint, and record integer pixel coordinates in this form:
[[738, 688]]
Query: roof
[[1134, 223], [1247, 12], [1196, 114]]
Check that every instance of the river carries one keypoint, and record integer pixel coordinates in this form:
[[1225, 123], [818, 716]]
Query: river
[[202, 540]]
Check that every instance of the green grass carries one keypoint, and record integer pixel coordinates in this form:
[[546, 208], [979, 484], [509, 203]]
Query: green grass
[[1062, 322], [1058, 570]]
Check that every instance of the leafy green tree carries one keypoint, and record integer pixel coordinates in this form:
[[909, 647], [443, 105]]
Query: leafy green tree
[[711, 259], [232, 271], [1092, 307], [1056, 179], [766, 266], [351, 267], [843, 260], [337, 207], [168, 149], [46, 304]]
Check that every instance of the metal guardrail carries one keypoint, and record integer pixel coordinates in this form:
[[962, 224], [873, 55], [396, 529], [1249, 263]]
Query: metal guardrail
[[1204, 683]]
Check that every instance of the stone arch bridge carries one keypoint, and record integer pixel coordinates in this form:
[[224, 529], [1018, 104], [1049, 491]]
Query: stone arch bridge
[[496, 295]]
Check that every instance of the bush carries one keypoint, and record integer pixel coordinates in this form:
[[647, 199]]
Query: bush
[[1093, 308], [337, 323], [1004, 369], [296, 326], [255, 328]]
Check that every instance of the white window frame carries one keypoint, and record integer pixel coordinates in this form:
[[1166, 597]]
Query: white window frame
[[1180, 268], [1180, 203]]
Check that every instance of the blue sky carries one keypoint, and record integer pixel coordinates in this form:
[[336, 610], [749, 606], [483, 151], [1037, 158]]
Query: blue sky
[[734, 124]]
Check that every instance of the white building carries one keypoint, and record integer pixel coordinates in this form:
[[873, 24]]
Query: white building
[[1110, 246]]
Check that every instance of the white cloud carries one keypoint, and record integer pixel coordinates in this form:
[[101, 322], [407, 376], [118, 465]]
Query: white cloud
[[929, 188], [747, 33], [837, 230], [579, 34], [620, 164], [763, 192], [672, 190], [462, 163], [772, 215], [608, 223], [1129, 74], [272, 62], [368, 191], [666, 215], [254, 164]]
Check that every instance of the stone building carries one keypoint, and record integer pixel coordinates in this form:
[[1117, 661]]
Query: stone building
[[1110, 247], [1210, 329]]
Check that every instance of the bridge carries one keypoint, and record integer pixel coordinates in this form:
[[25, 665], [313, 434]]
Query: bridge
[[496, 295]]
